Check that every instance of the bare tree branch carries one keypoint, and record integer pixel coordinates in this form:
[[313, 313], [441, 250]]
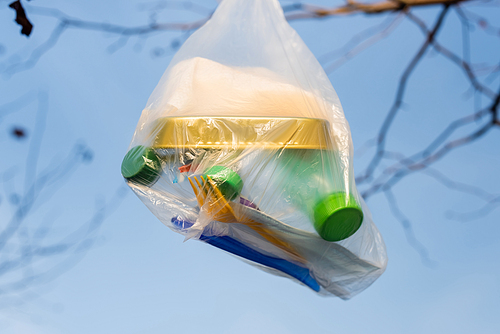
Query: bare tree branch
[[408, 229], [29, 253], [480, 21], [465, 66], [493, 204], [293, 12], [67, 22], [17, 104], [354, 7], [72, 249], [404, 167], [445, 180], [381, 138], [360, 42]]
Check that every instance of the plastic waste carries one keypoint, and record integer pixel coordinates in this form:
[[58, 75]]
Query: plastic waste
[[244, 145]]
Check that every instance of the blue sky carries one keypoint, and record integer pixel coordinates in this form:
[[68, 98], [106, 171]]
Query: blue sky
[[139, 277]]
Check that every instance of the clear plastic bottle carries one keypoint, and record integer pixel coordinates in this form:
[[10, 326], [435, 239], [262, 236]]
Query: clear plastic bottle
[[304, 188]]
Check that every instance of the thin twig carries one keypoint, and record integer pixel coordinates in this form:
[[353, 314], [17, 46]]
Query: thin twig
[[362, 41], [408, 229], [382, 135]]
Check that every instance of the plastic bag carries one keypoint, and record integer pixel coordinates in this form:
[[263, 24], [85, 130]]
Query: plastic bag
[[244, 145]]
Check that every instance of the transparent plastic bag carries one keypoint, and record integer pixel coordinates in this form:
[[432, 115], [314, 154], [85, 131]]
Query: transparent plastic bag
[[244, 145]]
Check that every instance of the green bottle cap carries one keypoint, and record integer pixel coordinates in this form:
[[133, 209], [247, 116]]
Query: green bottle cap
[[141, 165], [337, 217], [227, 180]]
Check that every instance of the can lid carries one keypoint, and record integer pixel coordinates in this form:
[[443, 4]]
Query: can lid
[[227, 180], [141, 165], [337, 217]]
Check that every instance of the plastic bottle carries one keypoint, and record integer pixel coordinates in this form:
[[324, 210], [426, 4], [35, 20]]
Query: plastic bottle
[[307, 180]]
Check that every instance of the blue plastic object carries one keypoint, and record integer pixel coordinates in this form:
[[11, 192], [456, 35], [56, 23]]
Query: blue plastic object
[[237, 248]]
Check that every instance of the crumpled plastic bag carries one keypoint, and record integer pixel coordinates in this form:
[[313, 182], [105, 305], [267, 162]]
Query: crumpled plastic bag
[[244, 145]]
